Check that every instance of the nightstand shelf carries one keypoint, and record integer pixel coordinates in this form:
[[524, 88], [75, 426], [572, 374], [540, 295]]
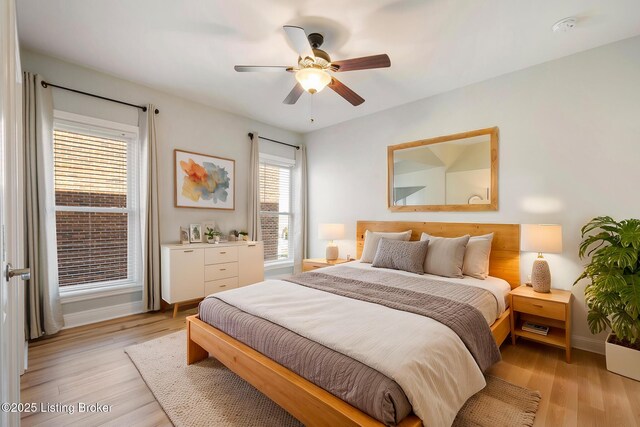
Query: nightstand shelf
[[551, 309], [555, 337]]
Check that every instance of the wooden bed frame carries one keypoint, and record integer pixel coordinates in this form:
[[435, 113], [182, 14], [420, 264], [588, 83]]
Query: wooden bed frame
[[309, 403]]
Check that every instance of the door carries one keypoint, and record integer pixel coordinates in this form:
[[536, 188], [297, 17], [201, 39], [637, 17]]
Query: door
[[11, 210]]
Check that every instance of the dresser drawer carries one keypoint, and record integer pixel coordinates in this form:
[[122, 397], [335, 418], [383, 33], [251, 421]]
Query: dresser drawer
[[549, 309], [220, 285], [220, 255], [220, 271]]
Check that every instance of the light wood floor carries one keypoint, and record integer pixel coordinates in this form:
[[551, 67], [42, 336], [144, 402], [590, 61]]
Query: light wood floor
[[88, 364]]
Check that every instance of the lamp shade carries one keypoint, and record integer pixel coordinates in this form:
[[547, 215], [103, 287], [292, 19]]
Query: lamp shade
[[545, 238], [331, 231], [313, 79]]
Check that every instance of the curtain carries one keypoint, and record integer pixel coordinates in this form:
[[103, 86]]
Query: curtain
[[254, 228], [300, 209], [149, 210], [43, 308]]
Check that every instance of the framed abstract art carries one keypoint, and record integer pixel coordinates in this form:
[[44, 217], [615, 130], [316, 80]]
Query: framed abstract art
[[203, 181]]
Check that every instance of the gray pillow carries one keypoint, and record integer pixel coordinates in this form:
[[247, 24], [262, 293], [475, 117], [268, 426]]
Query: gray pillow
[[445, 256], [400, 255], [476, 256], [372, 238]]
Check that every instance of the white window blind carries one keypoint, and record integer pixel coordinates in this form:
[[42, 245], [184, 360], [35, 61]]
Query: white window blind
[[96, 195], [275, 209]]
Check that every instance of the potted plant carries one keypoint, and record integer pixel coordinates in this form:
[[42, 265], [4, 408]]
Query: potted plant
[[213, 236], [243, 235], [613, 293]]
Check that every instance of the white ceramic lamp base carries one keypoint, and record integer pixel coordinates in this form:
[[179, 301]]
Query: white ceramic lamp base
[[332, 252], [541, 276]]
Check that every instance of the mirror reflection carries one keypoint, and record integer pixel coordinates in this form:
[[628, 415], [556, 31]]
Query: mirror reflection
[[451, 172]]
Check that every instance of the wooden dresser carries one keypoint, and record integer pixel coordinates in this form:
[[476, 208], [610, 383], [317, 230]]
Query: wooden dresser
[[191, 272]]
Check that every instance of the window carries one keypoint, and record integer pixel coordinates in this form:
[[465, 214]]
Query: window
[[96, 202], [275, 207]]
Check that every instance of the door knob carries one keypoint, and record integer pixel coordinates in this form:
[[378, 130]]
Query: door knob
[[23, 273]]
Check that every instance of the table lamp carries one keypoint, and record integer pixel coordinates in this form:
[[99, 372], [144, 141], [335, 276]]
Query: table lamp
[[541, 238], [331, 232]]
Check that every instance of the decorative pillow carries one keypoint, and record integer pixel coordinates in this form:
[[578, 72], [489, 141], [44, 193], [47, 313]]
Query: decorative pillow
[[401, 255], [476, 257], [372, 238], [445, 256]]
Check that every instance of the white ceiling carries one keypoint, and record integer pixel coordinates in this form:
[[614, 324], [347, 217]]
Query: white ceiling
[[189, 47]]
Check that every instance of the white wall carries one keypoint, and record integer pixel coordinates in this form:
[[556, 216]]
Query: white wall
[[181, 124], [569, 150]]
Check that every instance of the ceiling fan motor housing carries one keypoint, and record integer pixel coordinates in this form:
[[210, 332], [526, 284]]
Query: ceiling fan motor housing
[[315, 40]]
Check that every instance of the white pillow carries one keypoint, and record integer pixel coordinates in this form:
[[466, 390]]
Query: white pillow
[[445, 256], [372, 238], [476, 257]]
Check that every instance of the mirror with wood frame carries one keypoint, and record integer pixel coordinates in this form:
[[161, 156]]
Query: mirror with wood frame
[[449, 173]]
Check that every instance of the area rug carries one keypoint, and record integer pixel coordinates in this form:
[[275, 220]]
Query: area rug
[[208, 394]]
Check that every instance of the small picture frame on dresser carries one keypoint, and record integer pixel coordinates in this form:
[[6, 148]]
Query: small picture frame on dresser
[[184, 235], [195, 233]]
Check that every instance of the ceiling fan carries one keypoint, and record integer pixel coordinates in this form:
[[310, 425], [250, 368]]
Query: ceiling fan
[[314, 66]]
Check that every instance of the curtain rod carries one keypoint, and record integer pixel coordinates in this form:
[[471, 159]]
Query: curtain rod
[[142, 107], [297, 147]]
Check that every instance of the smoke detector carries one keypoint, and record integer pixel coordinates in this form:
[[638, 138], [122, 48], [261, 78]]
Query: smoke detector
[[564, 25]]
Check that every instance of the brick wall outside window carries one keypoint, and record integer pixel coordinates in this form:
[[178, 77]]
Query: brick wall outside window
[[90, 177], [275, 188]]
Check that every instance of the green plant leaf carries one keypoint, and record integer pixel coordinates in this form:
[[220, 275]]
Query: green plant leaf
[[630, 295], [630, 233], [597, 321], [618, 256], [611, 280]]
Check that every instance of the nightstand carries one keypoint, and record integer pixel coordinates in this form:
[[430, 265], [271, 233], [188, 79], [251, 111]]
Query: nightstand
[[315, 263], [551, 309]]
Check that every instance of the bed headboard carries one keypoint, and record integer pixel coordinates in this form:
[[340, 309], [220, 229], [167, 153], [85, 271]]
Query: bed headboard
[[505, 249]]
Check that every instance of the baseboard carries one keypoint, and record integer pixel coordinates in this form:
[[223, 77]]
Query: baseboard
[[86, 317], [591, 344]]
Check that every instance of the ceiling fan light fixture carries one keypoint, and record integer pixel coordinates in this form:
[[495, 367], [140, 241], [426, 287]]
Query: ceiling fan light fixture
[[313, 80]]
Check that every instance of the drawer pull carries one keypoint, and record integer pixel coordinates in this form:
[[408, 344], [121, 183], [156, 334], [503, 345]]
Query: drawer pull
[[223, 269], [537, 305], [222, 253], [223, 286], [191, 250]]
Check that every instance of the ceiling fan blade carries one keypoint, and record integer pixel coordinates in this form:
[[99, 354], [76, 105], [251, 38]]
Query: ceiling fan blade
[[299, 40], [364, 63], [268, 68], [293, 96], [345, 92]]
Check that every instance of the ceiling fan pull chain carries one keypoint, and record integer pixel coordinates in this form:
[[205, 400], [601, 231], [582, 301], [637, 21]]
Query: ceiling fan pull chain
[[311, 109]]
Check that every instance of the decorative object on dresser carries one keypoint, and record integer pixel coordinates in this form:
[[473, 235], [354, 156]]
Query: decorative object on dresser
[[613, 291], [203, 181], [310, 264], [331, 232], [449, 173], [192, 274], [184, 235], [551, 309], [195, 233], [541, 238], [213, 235]]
